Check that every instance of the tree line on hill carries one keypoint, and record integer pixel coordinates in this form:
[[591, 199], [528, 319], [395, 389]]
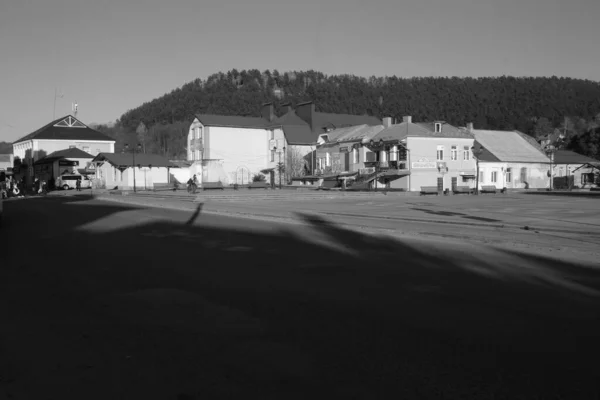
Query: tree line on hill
[[536, 106]]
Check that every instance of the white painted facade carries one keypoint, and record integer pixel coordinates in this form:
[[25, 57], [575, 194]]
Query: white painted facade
[[123, 178], [514, 175], [242, 152]]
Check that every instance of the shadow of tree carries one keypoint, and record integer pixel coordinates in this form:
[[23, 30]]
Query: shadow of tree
[[219, 307]]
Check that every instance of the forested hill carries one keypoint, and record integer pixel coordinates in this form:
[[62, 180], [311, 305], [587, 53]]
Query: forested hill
[[494, 103]]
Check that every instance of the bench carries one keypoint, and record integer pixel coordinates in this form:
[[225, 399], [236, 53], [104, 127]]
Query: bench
[[488, 189], [462, 190], [212, 185], [258, 185], [429, 190]]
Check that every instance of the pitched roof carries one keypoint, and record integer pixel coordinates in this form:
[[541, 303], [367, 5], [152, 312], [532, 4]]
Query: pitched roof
[[509, 146], [420, 129], [70, 153], [353, 133], [570, 157], [66, 128], [234, 121], [126, 160], [336, 121]]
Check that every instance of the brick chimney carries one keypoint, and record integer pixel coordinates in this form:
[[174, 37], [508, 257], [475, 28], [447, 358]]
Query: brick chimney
[[407, 118], [306, 111], [469, 126], [387, 122], [267, 112]]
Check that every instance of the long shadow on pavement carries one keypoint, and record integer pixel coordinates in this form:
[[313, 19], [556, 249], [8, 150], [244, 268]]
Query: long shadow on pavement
[[174, 310]]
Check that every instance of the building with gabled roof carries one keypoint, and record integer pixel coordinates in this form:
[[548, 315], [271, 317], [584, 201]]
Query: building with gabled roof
[[574, 169], [510, 159], [62, 133]]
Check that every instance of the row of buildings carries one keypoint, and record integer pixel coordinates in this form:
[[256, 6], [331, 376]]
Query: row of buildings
[[378, 153], [304, 146]]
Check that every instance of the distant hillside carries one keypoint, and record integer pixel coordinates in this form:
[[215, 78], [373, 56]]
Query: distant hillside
[[6, 148], [533, 105]]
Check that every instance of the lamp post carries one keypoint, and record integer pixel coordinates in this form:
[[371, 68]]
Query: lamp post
[[550, 150], [133, 151], [476, 153]]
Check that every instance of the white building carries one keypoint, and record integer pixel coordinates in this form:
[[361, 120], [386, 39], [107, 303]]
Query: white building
[[510, 159], [63, 133], [118, 171]]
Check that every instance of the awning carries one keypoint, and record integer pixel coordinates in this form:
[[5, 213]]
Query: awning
[[467, 173]]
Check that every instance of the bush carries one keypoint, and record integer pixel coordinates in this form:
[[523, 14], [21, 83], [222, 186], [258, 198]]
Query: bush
[[259, 178]]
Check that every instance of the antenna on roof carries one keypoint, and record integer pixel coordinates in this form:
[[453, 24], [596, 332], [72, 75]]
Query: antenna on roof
[[74, 109]]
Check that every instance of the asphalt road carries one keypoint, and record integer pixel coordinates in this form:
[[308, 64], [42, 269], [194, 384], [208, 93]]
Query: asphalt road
[[102, 300]]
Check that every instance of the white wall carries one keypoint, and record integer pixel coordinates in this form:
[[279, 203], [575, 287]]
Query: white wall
[[144, 177], [50, 146], [534, 174]]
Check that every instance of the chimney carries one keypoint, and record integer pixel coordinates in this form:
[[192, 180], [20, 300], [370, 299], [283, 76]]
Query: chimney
[[407, 118], [306, 111], [286, 107], [387, 122], [469, 126], [267, 112]]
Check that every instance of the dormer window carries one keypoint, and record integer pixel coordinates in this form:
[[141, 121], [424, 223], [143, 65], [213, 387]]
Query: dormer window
[[438, 127]]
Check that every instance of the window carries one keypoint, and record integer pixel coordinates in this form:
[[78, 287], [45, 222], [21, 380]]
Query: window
[[440, 153], [272, 155], [438, 127], [466, 153], [494, 176], [355, 156], [508, 175], [273, 135], [454, 153]]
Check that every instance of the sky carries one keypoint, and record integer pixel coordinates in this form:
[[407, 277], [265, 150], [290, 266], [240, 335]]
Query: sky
[[110, 56]]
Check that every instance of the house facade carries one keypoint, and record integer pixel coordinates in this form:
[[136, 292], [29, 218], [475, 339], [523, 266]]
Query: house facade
[[343, 150], [574, 167], [510, 159], [117, 171], [415, 154], [233, 149]]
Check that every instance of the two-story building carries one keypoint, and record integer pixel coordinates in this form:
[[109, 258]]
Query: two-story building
[[343, 150], [411, 155], [233, 149], [63, 133]]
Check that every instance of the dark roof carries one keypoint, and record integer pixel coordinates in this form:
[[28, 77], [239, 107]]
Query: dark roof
[[70, 153], [570, 157], [70, 128], [420, 129], [126, 159], [235, 121], [299, 132]]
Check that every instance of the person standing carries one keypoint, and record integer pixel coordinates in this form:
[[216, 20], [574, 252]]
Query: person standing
[[78, 185]]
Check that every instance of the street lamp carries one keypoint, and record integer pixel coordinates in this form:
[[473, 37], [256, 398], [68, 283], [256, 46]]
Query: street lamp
[[476, 153], [550, 150], [138, 148], [280, 167]]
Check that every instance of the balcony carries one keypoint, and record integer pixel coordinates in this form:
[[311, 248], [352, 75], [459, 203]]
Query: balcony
[[386, 165]]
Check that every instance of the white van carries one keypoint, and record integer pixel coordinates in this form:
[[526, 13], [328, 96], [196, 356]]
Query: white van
[[67, 182]]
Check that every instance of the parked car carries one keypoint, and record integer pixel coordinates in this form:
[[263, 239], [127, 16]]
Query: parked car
[[67, 182]]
